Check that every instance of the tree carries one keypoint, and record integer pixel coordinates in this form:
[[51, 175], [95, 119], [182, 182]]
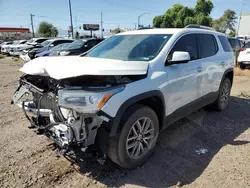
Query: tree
[[227, 22], [117, 30], [180, 16], [157, 21], [46, 29], [54, 32], [204, 6]]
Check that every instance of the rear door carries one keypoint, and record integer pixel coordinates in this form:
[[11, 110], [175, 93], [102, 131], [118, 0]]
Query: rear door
[[211, 63]]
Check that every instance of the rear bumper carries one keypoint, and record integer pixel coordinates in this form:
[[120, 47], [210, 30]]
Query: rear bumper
[[245, 63]]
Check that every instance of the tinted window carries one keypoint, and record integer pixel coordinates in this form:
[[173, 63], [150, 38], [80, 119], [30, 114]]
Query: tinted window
[[188, 44], [91, 43], [225, 44], [247, 45], [61, 42], [208, 45], [130, 47], [41, 40], [76, 44]]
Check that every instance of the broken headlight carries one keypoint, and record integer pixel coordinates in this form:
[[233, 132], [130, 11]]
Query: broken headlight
[[85, 101]]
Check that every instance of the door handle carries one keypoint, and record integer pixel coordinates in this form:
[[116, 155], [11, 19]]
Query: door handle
[[199, 69]]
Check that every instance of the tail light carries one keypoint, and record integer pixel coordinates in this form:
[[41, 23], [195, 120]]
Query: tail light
[[243, 49]]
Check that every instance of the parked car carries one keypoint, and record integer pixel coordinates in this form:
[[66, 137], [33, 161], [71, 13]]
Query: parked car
[[244, 56], [46, 45], [54, 50], [4, 44], [12, 46], [80, 46], [236, 45], [5, 48], [119, 95], [30, 44]]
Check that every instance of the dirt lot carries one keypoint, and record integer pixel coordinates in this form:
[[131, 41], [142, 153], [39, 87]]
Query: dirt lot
[[28, 160]]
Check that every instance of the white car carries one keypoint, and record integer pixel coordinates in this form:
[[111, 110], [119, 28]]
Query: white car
[[119, 95], [12, 46], [244, 56], [5, 47], [17, 49]]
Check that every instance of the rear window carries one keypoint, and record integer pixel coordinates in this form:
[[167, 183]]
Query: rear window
[[208, 45], [225, 44], [247, 45]]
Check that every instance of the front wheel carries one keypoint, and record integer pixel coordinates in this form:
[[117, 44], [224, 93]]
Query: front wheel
[[137, 138]]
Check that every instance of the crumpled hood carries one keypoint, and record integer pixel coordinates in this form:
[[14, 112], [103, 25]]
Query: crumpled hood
[[73, 66]]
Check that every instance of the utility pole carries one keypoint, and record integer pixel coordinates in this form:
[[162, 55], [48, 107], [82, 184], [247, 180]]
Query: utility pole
[[237, 33], [32, 25], [101, 26], [71, 22]]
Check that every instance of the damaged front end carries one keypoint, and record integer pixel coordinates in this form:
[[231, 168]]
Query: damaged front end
[[67, 110]]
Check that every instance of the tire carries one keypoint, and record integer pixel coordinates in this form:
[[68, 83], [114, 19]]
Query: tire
[[224, 92], [242, 67], [120, 148]]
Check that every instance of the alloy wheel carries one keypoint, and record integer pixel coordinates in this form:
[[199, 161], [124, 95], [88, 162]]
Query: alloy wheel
[[140, 138]]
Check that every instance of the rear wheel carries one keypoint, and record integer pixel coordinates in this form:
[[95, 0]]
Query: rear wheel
[[137, 138], [222, 101]]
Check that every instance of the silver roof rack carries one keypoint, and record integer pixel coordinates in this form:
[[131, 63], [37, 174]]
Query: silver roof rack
[[200, 27]]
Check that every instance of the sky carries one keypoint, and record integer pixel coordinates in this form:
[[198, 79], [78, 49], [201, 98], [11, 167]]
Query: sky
[[16, 13]]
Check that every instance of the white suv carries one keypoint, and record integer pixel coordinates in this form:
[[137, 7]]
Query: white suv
[[119, 95]]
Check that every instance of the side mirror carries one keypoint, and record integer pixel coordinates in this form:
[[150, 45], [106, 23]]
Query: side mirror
[[51, 45], [180, 57]]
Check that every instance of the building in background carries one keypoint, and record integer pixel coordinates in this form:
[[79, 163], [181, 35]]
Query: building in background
[[244, 27], [10, 33]]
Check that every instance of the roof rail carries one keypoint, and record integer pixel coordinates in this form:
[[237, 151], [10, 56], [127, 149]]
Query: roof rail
[[200, 27]]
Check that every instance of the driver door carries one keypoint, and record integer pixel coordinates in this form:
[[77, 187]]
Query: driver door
[[183, 80]]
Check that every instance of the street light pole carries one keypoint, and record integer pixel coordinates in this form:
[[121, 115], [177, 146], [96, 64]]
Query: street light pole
[[71, 21], [140, 17]]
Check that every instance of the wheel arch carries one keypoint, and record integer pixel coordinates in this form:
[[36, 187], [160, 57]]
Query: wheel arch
[[229, 73], [153, 99]]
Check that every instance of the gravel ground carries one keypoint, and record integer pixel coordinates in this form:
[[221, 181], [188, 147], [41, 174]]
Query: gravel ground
[[29, 160]]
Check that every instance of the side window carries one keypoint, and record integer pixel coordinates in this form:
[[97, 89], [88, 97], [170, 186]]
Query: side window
[[58, 42], [208, 45], [225, 44], [91, 43], [186, 43], [247, 45], [41, 40], [238, 45]]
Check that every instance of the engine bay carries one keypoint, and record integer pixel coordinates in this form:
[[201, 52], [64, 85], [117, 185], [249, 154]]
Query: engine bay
[[66, 125]]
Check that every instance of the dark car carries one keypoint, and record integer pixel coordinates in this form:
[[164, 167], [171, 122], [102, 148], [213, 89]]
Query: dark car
[[236, 45], [80, 46], [47, 45]]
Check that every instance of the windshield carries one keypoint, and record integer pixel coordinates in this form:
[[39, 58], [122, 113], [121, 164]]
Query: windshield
[[30, 41], [46, 43], [76, 44], [130, 47], [58, 47]]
